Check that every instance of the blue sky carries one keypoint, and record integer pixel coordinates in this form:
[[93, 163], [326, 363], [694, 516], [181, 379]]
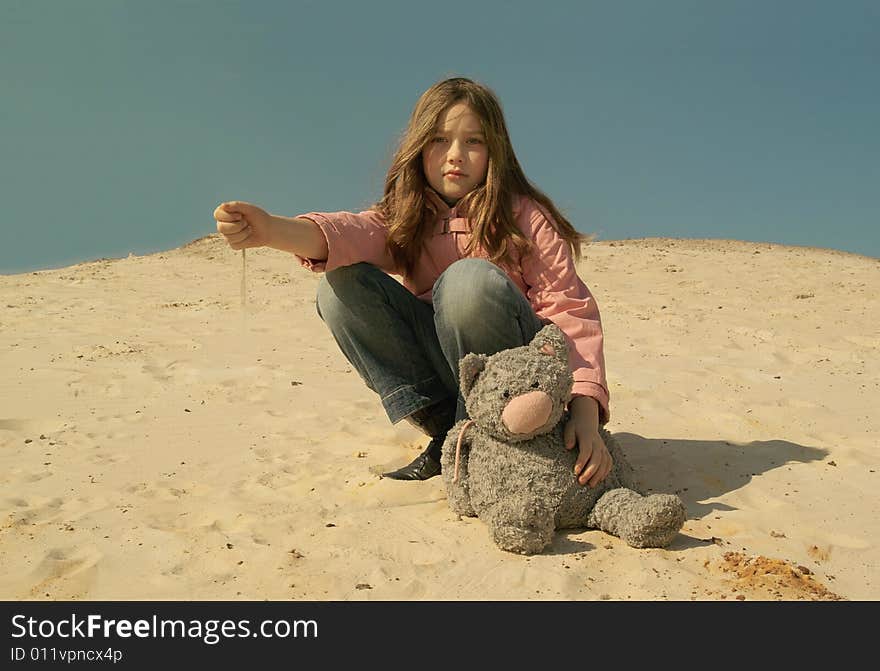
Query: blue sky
[[124, 123]]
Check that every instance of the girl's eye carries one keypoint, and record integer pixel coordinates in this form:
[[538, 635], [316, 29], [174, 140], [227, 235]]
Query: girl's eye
[[475, 140], [439, 139]]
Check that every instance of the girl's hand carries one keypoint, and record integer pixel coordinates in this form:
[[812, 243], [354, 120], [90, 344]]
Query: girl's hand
[[594, 461], [243, 224]]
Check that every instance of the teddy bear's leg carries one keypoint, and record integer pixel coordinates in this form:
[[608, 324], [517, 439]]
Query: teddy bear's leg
[[527, 530], [642, 521]]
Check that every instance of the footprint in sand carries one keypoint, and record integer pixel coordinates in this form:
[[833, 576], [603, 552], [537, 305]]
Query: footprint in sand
[[162, 373], [36, 476], [41, 510], [793, 357], [260, 488], [108, 458], [820, 553], [159, 491], [64, 573]]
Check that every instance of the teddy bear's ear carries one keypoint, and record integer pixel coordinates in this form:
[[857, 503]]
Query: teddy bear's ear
[[469, 368], [551, 341]]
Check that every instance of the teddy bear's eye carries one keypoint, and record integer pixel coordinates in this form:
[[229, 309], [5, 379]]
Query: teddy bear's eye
[[535, 384], [506, 394]]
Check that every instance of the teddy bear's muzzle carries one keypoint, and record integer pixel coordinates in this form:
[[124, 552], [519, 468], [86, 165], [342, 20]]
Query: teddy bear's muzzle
[[527, 412]]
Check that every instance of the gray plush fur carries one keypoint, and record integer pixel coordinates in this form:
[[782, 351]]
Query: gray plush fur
[[522, 485]]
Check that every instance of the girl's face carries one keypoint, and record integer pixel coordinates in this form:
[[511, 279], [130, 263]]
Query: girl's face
[[456, 159]]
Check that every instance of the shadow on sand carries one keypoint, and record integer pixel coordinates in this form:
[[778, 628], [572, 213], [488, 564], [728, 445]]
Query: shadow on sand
[[699, 471]]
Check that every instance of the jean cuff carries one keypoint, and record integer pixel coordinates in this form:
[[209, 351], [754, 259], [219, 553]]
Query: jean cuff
[[409, 398]]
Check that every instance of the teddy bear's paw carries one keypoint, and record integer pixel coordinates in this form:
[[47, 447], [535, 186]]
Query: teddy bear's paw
[[522, 540], [642, 521], [655, 522], [459, 501]]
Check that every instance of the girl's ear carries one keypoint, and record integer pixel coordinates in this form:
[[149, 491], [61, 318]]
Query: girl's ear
[[469, 369], [551, 341]]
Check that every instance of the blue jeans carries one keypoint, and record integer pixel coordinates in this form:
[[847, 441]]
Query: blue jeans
[[406, 350]]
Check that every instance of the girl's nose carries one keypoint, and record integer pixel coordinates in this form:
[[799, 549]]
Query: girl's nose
[[527, 412], [455, 152]]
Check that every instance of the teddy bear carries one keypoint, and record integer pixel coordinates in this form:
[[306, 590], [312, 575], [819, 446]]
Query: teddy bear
[[508, 466]]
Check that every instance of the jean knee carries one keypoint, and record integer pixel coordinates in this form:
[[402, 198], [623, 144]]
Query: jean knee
[[469, 291], [341, 286]]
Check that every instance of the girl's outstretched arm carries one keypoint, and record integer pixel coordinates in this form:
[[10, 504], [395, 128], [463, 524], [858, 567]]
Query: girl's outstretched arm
[[247, 225], [349, 238]]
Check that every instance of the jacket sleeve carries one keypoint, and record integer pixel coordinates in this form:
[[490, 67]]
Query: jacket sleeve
[[557, 293], [351, 238]]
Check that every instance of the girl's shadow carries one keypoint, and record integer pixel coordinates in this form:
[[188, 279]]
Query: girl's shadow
[[698, 470]]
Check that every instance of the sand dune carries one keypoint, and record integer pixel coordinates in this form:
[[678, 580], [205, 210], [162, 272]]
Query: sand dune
[[157, 441]]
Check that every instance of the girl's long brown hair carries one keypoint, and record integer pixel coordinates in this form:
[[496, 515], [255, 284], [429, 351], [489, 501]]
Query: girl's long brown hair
[[489, 207]]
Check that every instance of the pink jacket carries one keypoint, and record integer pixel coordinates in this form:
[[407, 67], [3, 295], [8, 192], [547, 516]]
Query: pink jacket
[[547, 276]]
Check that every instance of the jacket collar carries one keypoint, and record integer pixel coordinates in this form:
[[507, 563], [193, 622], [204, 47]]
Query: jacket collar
[[440, 206], [445, 211]]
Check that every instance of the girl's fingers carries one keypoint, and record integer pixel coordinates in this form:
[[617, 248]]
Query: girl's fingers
[[226, 212], [229, 228], [240, 235], [600, 462], [237, 239], [585, 455], [603, 472], [597, 476], [222, 215], [568, 435], [589, 471]]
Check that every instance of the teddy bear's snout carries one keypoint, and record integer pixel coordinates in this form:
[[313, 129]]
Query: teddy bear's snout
[[527, 412]]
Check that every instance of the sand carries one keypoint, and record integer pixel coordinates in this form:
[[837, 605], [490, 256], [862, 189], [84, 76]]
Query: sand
[[158, 442]]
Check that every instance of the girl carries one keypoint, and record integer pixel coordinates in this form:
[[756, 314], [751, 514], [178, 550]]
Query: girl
[[486, 261]]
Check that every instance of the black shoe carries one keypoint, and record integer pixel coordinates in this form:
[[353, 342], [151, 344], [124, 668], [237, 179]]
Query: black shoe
[[435, 419], [423, 466]]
